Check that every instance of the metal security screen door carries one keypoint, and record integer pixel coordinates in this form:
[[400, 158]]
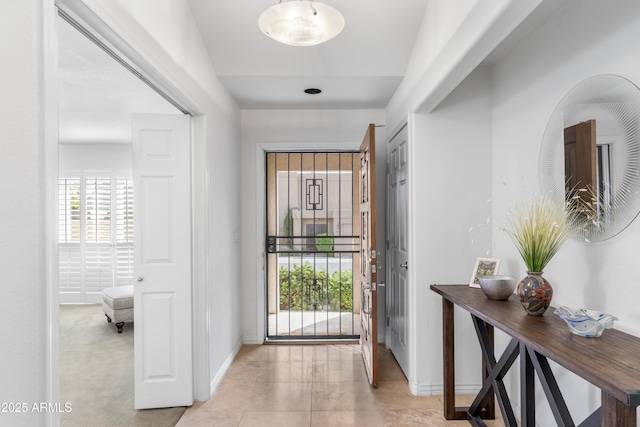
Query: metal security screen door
[[312, 245]]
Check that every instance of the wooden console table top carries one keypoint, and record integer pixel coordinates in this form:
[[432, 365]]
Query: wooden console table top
[[610, 362]]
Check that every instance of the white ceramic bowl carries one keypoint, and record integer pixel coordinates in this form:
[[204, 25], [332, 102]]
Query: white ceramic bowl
[[497, 287]]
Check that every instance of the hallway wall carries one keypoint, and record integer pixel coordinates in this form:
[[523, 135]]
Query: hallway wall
[[508, 104], [448, 109], [22, 213], [582, 39], [449, 205]]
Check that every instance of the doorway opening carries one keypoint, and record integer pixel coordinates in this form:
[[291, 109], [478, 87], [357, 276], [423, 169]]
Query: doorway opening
[[312, 246], [97, 99]]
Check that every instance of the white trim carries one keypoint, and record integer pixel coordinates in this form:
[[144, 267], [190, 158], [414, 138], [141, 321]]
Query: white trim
[[93, 16], [51, 377], [251, 339], [200, 260], [261, 148], [259, 235], [412, 328], [438, 389], [225, 366], [308, 146]]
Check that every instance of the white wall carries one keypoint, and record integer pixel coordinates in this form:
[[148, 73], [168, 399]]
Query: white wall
[[223, 240], [582, 39], [441, 20], [291, 129], [450, 188], [450, 132], [442, 58], [22, 212], [95, 157], [505, 119]]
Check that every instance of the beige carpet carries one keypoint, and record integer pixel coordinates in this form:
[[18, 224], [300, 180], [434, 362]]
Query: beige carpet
[[96, 373]]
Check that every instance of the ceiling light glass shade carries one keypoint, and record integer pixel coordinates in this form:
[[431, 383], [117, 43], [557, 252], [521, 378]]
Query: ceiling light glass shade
[[301, 23]]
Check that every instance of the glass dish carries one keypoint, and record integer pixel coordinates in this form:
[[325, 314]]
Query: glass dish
[[585, 322]]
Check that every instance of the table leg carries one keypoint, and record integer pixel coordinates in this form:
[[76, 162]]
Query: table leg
[[490, 408], [451, 411], [493, 385], [527, 389], [448, 355], [616, 413]]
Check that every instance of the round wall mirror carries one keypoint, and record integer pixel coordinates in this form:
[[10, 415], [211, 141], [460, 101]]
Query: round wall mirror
[[593, 136]]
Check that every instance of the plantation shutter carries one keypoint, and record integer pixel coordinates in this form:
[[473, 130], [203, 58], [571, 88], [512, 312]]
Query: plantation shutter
[[95, 234], [69, 229], [99, 258], [124, 231]]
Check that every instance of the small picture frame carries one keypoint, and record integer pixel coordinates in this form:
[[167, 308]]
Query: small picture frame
[[484, 267]]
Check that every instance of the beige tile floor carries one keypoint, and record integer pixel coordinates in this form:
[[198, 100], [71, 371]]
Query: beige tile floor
[[315, 385]]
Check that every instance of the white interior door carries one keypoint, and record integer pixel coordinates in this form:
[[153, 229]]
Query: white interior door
[[397, 280], [162, 289]]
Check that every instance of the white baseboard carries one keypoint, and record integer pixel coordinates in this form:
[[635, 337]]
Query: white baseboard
[[438, 389], [250, 339], [223, 369]]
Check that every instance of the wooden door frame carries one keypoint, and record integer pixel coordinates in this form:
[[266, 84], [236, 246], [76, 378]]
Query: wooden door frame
[[368, 273], [114, 33]]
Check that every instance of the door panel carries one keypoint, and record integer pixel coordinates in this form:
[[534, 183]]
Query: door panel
[[397, 282], [368, 258], [162, 292]]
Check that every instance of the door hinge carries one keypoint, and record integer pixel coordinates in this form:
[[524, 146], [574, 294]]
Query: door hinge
[[373, 268], [387, 320]]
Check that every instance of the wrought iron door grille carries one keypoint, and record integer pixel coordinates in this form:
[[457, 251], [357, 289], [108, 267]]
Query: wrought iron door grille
[[314, 194], [293, 245], [316, 294], [312, 245]]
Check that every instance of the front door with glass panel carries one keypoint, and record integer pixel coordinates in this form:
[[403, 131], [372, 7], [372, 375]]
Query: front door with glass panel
[[312, 245]]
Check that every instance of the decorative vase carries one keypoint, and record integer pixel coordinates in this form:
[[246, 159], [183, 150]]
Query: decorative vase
[[535, 293]]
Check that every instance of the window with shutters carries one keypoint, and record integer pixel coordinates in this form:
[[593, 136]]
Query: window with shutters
[[124, 231], [98, 252], [70, 259], [95, 233]]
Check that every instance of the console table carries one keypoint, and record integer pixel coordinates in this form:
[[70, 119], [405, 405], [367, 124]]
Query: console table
[[611, 362]]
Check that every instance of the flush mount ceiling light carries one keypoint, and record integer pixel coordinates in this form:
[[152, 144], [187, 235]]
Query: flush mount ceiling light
[[301, 22]]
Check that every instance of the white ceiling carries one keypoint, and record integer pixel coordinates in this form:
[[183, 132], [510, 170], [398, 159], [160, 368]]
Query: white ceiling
[[97, 95], [359, 68]]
